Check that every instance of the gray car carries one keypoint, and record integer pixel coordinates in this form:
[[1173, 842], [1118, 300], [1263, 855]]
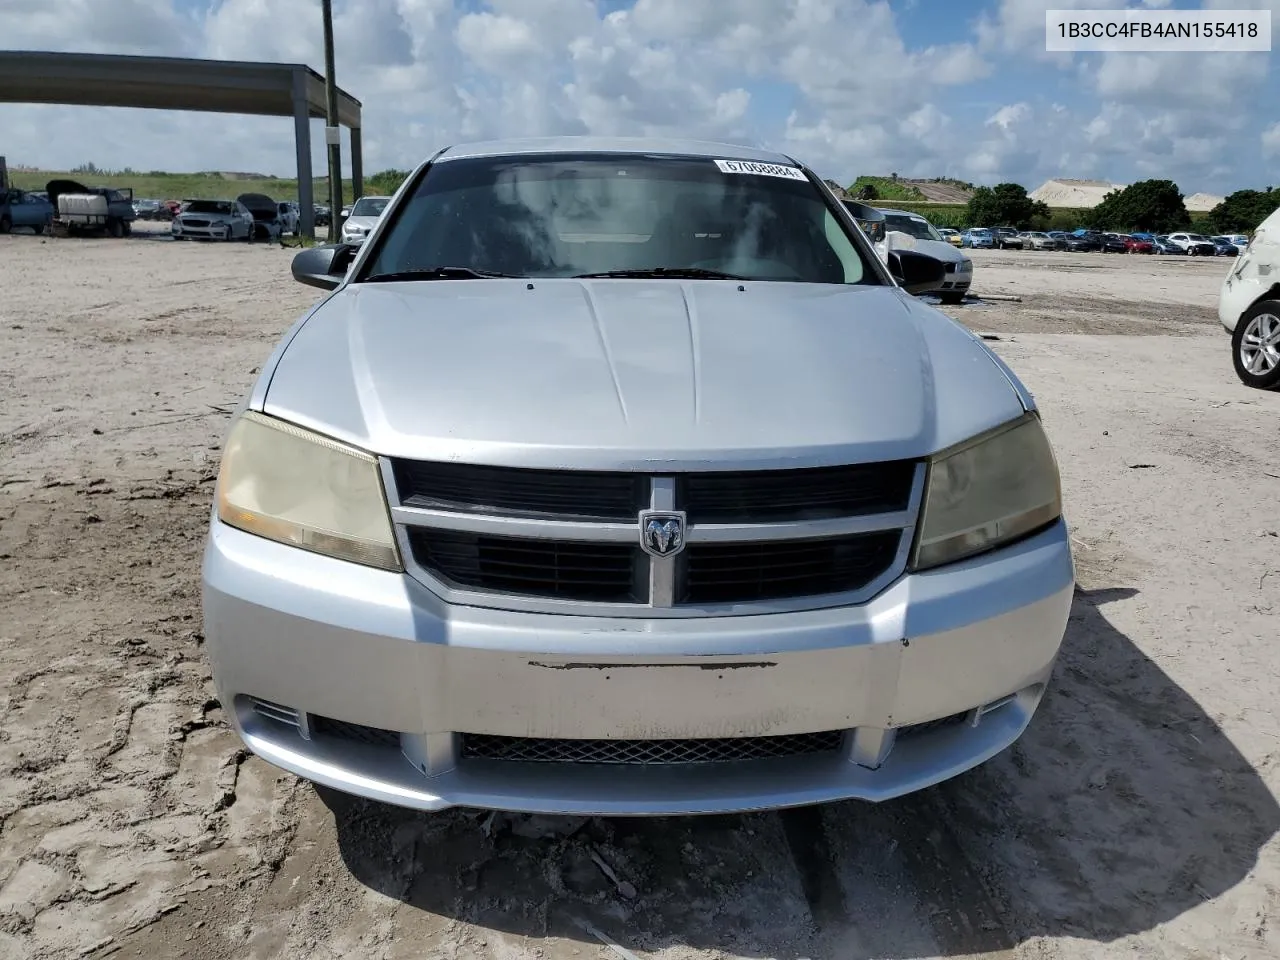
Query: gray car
[[212, 220], [622, 477]]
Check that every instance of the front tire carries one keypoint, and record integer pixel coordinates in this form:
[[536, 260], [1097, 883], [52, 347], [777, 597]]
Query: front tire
[[1255, 346], [951, 298]]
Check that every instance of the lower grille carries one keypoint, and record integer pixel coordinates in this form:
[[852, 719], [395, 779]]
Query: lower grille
[[644, 752], [357, 732], [742, 572], [572, 570], [195, 223], [929, 725]]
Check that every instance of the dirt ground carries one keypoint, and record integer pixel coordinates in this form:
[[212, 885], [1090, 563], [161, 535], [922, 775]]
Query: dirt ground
[[1136, 818]]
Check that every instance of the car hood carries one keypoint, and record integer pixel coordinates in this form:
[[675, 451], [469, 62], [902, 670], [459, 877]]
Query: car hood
[[367, 222], [938, 249], [197, 215], [626, 374]]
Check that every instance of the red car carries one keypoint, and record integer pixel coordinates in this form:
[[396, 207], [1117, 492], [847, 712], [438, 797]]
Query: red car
[[1136, 245]]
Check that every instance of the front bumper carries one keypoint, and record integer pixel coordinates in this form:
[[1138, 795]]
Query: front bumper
[[217, 231], [1238, 294], [297, 638]]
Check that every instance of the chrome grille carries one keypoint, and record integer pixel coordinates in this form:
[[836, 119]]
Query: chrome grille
[[566, 541], [645, 752]]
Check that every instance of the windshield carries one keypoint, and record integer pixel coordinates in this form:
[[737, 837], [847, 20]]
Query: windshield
[[368, 207], [1198, 239], [915, 226], [208, 206], [569, 215]]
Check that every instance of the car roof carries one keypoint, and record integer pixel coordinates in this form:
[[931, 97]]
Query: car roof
[[371, 197], [633, 145], [901, 213]]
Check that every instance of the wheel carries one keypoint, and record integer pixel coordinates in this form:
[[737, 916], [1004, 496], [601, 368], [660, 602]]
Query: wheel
[[5, 224], [951, 298], [1255, 346], [115, 228], [128, 228]]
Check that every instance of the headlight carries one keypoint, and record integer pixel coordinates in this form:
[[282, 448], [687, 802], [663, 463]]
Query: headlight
[[297, 487], [987, 492]]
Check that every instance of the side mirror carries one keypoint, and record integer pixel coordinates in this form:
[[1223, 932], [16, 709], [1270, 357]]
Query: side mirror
[[916, 272], [323, 266]]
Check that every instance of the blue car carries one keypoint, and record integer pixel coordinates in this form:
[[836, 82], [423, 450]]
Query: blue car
[[21, 209], [979, 237]]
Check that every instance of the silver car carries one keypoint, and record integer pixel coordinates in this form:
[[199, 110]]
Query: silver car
[[621, 477], [363, 218], [212, 220]]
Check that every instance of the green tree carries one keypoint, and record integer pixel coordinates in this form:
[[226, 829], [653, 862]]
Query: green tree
[[1243, 210], [1005, 205], [385, 182], [1149, 206]]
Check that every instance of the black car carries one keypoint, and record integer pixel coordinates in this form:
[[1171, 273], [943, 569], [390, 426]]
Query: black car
[[322, 214], [266, 216], [1082, 243], [1113, 243], [1007, 238]]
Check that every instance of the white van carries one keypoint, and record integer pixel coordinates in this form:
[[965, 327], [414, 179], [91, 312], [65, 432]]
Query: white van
[[1249, 307]]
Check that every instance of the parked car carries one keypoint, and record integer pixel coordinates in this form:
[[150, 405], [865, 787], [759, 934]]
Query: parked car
[[1193, 244], [213, 220], [266, 216], [978, 238], [1136, 243], [289, 217], [1224, 247], [18, 208], [1114, 243], [150, 210], [1249, 308], [914, 232], [364, 216], [1239, 239], [1082, 243], [1007, 238], [950, 235], [1162, 244], [1038, 240], [494, 528], [322, 215]]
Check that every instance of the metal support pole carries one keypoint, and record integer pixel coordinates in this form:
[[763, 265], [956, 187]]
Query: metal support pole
[[302, 143], [357, 165], [331, 130]]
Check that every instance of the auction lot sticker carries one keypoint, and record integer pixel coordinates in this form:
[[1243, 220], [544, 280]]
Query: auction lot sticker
[[761, 169]]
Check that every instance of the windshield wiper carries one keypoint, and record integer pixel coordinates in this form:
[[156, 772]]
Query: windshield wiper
[[435, 273], [676, 273]]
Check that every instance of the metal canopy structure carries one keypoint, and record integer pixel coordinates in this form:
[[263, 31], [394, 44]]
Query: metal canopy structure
[[170, 83]]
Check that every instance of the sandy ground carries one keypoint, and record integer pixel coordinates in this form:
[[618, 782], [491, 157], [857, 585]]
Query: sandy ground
[[1136, 818]]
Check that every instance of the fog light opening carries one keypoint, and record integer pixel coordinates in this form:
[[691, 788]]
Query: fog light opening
[[976, 715]]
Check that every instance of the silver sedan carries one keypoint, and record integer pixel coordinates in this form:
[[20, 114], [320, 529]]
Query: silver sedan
[[622, 477]]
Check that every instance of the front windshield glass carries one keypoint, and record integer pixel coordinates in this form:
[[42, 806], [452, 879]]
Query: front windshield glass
[[572, 215], [368, 207], [920, 229], [208, 206]]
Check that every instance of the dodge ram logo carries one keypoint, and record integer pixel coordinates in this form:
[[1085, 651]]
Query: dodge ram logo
[[662, 534]]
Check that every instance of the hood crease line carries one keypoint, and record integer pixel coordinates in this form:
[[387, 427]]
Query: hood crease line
[[691, 319], [604, 347]]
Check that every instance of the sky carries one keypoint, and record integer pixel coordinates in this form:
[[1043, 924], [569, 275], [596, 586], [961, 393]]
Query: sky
[[921, 88]]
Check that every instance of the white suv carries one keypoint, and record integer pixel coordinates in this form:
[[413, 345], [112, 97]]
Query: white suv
[[1249, 307]]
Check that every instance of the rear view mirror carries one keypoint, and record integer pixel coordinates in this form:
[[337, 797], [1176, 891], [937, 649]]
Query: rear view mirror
[[323, 266], [916, 272]]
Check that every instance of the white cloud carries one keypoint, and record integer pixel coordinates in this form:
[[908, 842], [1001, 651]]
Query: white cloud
[[831, 81], [1271, 141]]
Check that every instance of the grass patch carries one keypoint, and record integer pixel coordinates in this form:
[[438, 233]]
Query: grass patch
[[886, 188]]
